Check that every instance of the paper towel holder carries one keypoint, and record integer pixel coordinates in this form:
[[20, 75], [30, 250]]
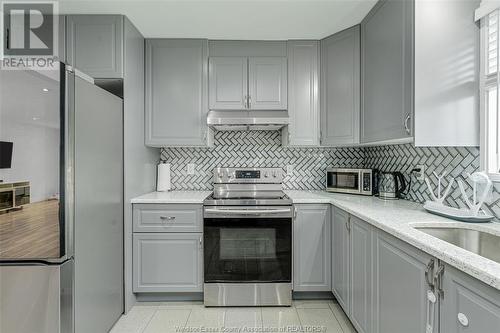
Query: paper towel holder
[[163, 183]]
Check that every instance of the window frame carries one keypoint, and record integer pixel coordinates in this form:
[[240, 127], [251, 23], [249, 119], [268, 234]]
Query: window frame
[[487, 82]]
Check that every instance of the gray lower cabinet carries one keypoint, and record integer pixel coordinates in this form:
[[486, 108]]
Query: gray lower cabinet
[[311, 248], [386, 72], [400, 287], [360, 237], [382, 284], [352, 268], [340, 88], [468, 305], [341, 258], [94, 44], [176, 92], [303, 95], [167, 262]]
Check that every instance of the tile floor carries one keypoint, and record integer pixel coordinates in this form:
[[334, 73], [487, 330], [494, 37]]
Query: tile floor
[[192, 317]]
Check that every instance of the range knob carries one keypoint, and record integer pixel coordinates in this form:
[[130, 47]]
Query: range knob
[[266, 175], [275, 174]]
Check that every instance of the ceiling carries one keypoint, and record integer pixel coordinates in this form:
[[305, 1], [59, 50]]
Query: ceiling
[[231, 19]]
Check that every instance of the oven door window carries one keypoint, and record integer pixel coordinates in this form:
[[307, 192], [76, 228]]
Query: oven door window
[[248, 250]]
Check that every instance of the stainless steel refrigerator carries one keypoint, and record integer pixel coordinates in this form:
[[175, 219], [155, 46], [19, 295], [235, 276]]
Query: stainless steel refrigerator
[[61, 203]]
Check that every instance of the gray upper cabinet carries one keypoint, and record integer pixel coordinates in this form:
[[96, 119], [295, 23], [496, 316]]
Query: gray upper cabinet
[[168, 262], [340, 88], [267, 83], [360, 236], [228, 81], [94, 44], [400, 287], [247, 75], [176, 92], [311, 248], [386, 72], [303, 97], [468, 305], [341, 258]]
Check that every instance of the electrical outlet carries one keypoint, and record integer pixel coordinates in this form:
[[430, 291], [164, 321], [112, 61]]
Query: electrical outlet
[[420, 175], [190, 169], [289, 170]]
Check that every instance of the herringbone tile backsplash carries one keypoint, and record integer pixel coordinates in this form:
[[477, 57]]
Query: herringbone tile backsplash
[[263, 149], [456, 161], [257, 149]]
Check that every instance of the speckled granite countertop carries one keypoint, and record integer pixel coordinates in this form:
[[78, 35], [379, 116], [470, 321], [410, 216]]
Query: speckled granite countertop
[[398, 219], [172, 197]]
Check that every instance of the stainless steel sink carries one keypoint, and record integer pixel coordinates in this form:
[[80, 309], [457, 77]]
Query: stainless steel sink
[[482, 243]]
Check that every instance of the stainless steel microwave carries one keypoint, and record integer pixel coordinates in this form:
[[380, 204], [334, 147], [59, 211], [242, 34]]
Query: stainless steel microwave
[[353, 181]]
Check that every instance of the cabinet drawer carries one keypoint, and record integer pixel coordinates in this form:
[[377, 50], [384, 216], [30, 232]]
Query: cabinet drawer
[[168, 218]]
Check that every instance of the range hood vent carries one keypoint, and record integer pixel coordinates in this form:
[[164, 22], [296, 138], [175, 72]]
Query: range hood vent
[[247, 120]]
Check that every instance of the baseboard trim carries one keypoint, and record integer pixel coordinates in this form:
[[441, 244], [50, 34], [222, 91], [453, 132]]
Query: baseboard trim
[[169, 297]]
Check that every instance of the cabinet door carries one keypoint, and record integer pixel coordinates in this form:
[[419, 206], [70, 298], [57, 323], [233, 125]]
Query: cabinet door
[[361, 274], [400, 287], [176, 92], [94, 44], [340, 88], [341, 257], [267, 79], [228, 83], [168, 262], [311, 248], [468, 304], [303, 104], [387, 78]]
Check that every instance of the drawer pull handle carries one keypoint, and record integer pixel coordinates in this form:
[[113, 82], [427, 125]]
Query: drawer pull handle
[[463, 320], [167, 218]]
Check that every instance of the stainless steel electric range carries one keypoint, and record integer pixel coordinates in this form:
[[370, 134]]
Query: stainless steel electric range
[[248, 239]]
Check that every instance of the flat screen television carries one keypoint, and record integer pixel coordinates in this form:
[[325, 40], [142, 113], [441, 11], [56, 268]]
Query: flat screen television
[[5, 154]]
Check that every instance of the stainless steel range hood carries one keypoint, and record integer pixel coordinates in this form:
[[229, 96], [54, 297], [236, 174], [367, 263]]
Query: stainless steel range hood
[[247, 120]]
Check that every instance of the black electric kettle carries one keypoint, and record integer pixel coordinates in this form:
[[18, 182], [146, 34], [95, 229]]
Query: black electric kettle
[[391, 185]]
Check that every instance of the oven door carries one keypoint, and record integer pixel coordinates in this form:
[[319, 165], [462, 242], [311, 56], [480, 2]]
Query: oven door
[[344, 180], [248, 244]]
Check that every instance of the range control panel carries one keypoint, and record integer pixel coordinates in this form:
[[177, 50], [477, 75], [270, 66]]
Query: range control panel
[[248, 175]]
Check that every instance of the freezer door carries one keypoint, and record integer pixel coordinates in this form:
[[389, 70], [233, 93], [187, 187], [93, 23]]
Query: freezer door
[[98, 220], [36, 298]]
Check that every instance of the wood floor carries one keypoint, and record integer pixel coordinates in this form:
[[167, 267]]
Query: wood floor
[[32, 232]]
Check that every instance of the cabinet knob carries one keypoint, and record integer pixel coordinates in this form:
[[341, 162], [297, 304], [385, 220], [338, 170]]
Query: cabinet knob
[[462, 319], [167, 218]]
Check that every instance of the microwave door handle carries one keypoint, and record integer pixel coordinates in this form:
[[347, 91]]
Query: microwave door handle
[[360, 181]]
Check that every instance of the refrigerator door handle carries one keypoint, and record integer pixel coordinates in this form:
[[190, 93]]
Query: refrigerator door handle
[[68, 94]]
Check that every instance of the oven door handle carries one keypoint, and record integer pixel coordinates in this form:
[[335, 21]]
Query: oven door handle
[[247, 211]]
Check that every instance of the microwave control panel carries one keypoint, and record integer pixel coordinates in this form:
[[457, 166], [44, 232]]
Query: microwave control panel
[[367, 182]]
